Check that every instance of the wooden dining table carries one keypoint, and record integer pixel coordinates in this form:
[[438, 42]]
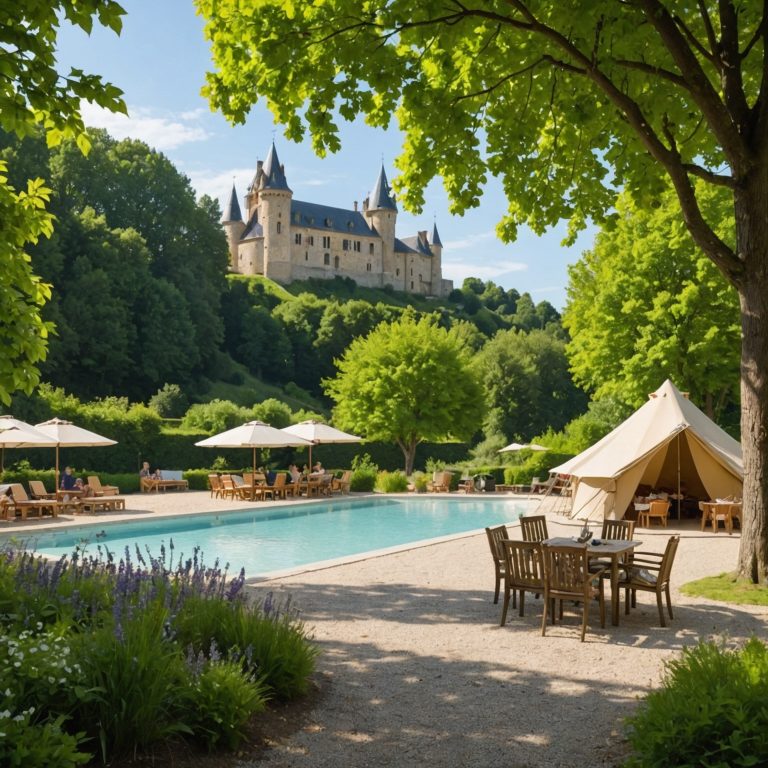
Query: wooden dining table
[[714, 511], [613, 549]]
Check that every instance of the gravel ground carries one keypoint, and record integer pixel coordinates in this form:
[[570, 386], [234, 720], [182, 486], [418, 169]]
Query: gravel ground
[[417, 671]]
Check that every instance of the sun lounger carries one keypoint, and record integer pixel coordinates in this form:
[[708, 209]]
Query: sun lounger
[[169, 480], [23, 505], [101, 490]]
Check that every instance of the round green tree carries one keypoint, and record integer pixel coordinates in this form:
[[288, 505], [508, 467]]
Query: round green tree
[[407, 382]]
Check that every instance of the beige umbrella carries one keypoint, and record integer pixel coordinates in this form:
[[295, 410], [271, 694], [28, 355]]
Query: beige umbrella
[[316, 433], [68, 435], [522, 447], [18, 434], [254, 435]]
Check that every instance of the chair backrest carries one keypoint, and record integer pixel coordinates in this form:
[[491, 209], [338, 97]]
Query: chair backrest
[[214, 481], [534, 528], [623, 530], [665, 568], [566, 569], [524, 563], [38, 488], [658, 507], [280, 480], [248, 478], [18, 492], [495, 537], [227, 482], [95, 483]]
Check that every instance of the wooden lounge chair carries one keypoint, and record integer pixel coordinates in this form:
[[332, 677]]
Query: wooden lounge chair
[[534, 527], [100, 504], [101, 490], [441, 482], [650, 572], [37, 490], [523, 572], [495, 537], [567, 577], [23, 505]]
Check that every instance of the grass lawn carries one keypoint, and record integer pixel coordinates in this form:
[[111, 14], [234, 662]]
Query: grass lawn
[[728, 589]]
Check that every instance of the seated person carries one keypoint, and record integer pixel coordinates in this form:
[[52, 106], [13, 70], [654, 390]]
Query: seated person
[[84, 488], [146, 472], [271, 475], [68, 480], [318, 469], [295, 474]]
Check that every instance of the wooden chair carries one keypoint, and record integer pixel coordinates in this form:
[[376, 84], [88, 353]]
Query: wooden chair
[[523, 572], [341, 484], [228, 489], [214, 485], [567, 577], [495, 537], [534, 528], [657, 508], [24, 505], [735, 514], [37, 490], [618, 530], [101, 490], [650, 572], [441, 482]]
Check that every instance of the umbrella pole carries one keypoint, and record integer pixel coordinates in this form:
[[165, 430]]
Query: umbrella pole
[[56, 475], [678, 476], [253, 477]]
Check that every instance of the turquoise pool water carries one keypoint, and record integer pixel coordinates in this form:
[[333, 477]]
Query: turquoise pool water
[[270, 539]]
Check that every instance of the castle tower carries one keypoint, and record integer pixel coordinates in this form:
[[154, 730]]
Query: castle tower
[[274, 203], [381, 211], [436, 277], [234, 226]]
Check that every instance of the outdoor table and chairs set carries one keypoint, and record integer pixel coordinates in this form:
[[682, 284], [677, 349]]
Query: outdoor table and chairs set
[[564, 569]]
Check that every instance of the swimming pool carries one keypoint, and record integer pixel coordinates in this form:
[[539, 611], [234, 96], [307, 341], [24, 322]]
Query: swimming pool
[[266, 539]]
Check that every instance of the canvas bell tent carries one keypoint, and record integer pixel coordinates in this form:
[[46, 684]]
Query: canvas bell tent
[[667, 443]]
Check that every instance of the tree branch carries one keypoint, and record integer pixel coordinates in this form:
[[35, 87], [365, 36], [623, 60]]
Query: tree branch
[[650, 69]]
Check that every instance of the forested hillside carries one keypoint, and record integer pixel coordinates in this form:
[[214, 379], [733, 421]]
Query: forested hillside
[[141, 299]]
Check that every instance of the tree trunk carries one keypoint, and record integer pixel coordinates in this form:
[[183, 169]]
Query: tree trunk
[[752, 246], [409, 453]]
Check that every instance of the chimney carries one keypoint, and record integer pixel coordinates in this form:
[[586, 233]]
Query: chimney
[[355, 204]]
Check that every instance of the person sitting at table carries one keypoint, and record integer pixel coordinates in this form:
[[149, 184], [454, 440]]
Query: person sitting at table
[[271, 475], [295, 474], [145, 471], [68, 480], [318, 469]]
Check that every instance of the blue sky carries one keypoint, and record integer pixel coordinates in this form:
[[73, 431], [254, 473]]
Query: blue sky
[[160, 60]]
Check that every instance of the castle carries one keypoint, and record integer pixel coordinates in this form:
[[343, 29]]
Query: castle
[[286, 239]]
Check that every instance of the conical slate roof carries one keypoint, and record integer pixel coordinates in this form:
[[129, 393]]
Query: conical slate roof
[[273, 176], [232, 211], [381, 196], [436, 237]]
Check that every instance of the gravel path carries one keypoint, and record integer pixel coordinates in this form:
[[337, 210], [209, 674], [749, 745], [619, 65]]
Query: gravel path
[[417, 671]]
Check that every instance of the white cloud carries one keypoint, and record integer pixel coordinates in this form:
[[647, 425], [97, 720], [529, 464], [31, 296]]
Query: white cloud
[[160, 132], [470, 241], [457, 271], [218, 184]]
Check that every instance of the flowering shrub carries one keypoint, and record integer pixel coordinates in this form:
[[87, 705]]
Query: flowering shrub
[[98, 647]]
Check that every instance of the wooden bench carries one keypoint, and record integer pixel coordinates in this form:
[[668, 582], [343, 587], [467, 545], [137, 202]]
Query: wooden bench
[[171, 480]]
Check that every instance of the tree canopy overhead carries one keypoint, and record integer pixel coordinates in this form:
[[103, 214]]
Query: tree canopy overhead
[[565, 103]]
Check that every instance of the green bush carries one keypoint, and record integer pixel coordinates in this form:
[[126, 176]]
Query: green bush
[[710, 711], [222, 698], [363, 474], [170, 402], [391, 482], [420, 481]]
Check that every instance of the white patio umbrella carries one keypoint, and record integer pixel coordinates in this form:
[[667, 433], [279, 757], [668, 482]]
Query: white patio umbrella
[[316, 433], [68, 435], [522, 447], [254, 435], [18, 434]]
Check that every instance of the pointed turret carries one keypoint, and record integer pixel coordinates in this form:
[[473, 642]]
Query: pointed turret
[[435, 240], [381, 196], [273, 175], [232, 211]]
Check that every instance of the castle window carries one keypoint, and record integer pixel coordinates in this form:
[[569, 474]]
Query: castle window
[[297, 217], [326, 241], [306, 256], [357, 246], [420, 280], [345, 245], [411, 276], [326, 258], [336, 262], [279, 228], [367, 267], [397, 271], [370, 248], [328, 222], [311, 239], [297, 238], [350, 225]]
